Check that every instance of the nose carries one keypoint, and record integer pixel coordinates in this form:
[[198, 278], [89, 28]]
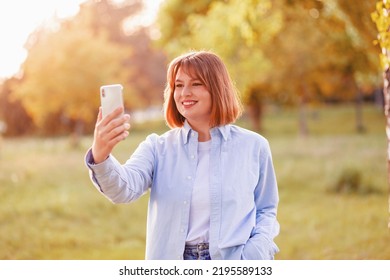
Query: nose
[[186, 91]]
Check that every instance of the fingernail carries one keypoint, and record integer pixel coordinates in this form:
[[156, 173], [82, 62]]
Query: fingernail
[[127, 125]]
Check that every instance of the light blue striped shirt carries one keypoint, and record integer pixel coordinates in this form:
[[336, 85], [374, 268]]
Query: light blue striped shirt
[[243, 191]]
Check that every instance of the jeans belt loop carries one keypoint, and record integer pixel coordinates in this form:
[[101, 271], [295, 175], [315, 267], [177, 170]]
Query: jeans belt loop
[[202, 246]]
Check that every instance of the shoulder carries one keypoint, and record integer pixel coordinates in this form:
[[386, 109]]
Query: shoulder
[[242, 134], [168, 135], [249, 142], [164, 141]]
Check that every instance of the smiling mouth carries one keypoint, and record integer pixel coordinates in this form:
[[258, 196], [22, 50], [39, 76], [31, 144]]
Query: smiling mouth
[[188, 103]]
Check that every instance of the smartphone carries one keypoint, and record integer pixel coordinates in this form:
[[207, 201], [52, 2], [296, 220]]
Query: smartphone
[[111, 97]]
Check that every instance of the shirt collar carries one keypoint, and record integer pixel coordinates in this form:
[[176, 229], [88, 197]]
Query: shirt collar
[[185, 131], [222, 130]]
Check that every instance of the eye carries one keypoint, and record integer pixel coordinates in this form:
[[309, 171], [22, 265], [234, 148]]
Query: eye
[[197, 84], [178, 85]]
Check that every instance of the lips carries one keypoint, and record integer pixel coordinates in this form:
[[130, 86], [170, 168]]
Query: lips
[[189, 103]]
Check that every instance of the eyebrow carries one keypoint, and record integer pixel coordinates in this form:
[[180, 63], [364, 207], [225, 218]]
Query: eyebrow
[[191, 80]]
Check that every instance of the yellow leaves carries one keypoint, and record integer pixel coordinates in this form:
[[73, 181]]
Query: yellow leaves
[[218, 25], [284, 45], [63, 73], [382, 21]]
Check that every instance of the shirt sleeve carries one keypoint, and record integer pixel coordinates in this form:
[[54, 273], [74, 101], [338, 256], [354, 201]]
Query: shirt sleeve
[[260, 244], [127, 182]]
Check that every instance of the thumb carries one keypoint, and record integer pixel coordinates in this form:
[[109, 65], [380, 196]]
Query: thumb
[[100, 115]]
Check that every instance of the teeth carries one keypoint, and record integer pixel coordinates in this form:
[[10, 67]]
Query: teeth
[[189, 103]]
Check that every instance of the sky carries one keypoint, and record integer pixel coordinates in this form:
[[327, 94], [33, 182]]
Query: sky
[[19, 18]]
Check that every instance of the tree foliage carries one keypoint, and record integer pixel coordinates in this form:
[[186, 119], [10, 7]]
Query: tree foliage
[[148, 63], [69, 60], [286, 50], [381, 18], [12, 112], [63, 73], [224, 27]]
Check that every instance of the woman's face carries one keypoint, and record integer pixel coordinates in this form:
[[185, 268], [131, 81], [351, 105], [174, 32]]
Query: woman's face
[[192, 99]]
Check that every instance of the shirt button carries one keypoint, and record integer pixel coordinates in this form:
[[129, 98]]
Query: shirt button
[[192, 157], [185, 202], [189, 177], [181, 230]]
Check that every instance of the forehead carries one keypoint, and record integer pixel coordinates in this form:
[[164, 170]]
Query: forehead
[[187, 69]]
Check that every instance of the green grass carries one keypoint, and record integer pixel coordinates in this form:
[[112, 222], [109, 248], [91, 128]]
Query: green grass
[[50, 210]]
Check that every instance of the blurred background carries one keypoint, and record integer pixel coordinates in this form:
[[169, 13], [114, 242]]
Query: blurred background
[[310, 76]]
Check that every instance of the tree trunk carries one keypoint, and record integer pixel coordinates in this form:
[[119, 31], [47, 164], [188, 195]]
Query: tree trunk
[[77, 134], [255, 109], [386, 95], [359, 112], [358, 105], [255, 114], [303, 127]]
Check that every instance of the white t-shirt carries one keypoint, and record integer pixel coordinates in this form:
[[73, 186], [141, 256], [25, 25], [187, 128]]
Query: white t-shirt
[[200, 201]]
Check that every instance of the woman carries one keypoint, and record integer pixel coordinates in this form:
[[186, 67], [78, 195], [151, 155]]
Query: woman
[[213, 191]]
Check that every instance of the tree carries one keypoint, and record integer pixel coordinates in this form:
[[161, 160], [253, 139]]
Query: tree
[[234, 39], [150, 64], [63, 72], [147, 79], [12, 113], [275, 50], [365, 63], [382, 19], [318, 58], [68, 62]]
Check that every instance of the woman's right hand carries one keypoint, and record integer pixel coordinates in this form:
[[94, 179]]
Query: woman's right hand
[[109, 131]]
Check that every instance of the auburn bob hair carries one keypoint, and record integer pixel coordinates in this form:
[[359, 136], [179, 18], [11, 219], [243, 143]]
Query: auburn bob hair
[[211, 71]]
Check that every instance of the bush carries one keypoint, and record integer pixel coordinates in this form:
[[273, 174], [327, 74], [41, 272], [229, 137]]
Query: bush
[[350, 181]]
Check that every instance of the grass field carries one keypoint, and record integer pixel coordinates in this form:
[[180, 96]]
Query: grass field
[[50, 210]]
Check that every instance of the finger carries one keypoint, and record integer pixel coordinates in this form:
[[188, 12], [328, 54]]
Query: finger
[[104, 134], [120, 137], [126, 117], [118, 131], [113, 115], [107, 142], [99, 117], [117, 122]]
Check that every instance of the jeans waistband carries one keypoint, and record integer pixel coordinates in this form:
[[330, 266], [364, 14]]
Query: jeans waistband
[[199, 246]]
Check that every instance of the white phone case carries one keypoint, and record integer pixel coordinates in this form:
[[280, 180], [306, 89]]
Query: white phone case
[[111, 97]]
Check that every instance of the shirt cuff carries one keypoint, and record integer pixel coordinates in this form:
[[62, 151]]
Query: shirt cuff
[[90, 161], [98, 170]]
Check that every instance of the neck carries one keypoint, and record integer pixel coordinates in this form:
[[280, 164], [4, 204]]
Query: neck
[[203, 131], [204, 136]]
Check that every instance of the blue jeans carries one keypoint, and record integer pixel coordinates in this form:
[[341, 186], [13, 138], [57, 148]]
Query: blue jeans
[[197, 252]]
